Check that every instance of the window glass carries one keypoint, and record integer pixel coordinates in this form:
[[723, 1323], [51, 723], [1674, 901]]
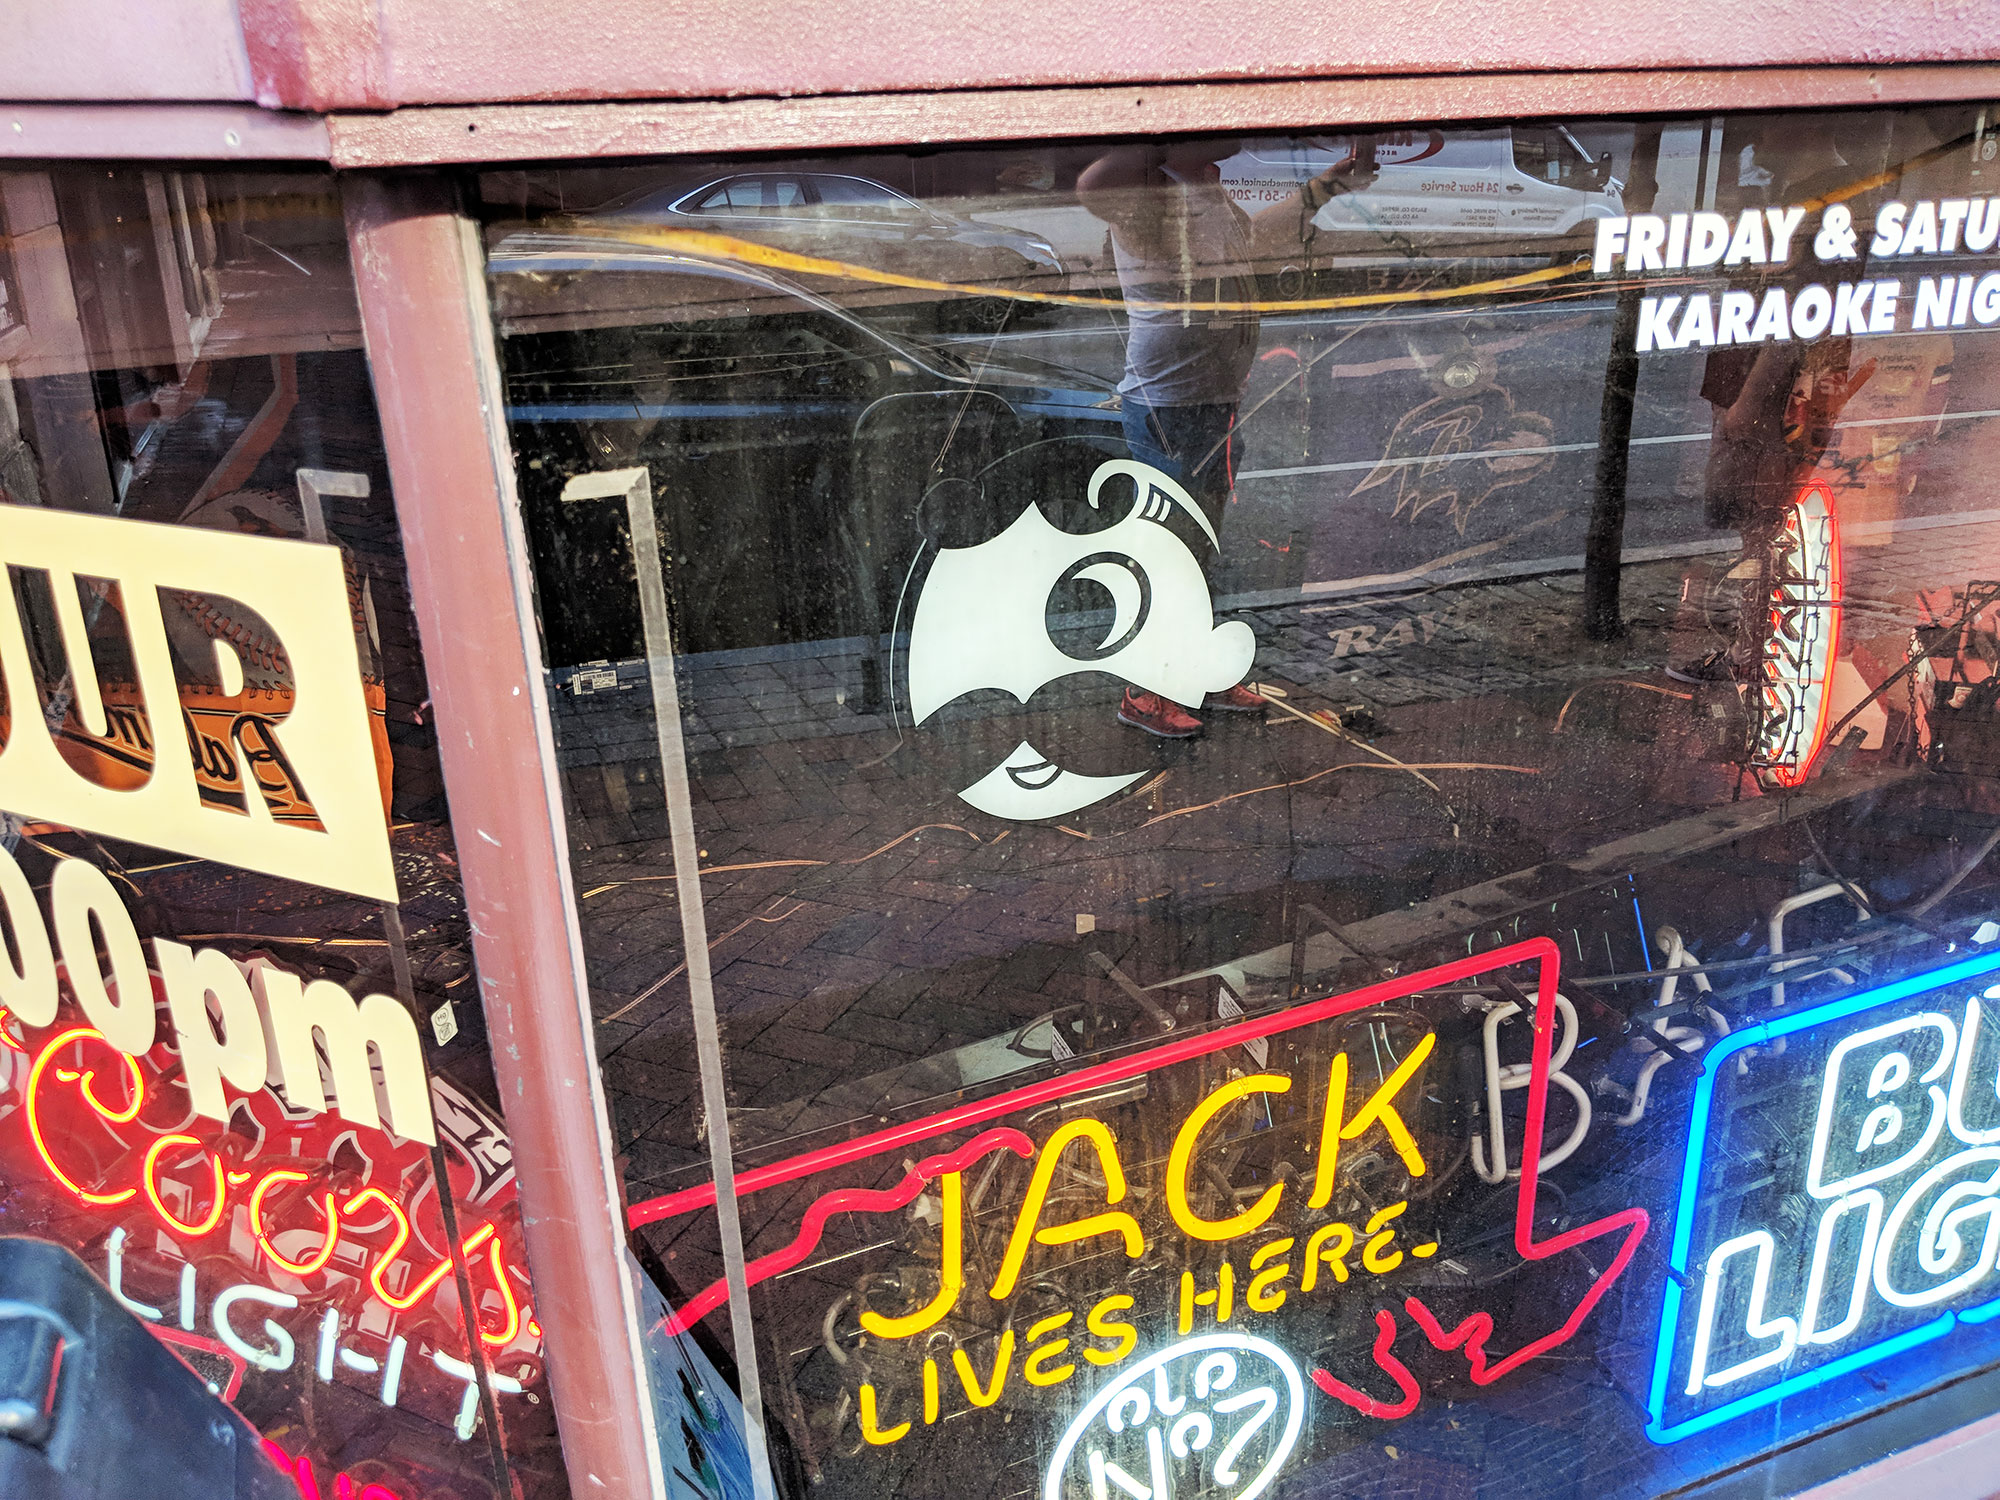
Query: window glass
[[751, 195], [1548, 153], [860, 194], [246, 1105], [1340, 792], [730, 197]]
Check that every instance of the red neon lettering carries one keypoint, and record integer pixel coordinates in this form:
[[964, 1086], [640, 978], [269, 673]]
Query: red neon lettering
[[429, 1280], [513, 1324], [437, 1272], [483, 1235], [395, 1245], [149, 1175], [320, 1257], [300, 1469], [115, 1117]]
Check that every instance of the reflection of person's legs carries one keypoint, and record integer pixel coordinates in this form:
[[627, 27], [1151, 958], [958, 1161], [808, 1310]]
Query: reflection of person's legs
[[1195, 445]]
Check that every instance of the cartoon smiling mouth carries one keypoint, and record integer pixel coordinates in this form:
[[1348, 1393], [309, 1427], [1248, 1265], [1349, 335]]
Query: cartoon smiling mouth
[[1032, 778], [1027, 784]]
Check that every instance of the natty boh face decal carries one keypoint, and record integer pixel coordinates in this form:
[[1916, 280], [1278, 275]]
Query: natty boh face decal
[[982, 620]]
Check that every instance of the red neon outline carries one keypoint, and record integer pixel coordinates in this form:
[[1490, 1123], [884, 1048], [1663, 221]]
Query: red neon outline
[[312, 1263], [32, 1110], [149, 1176], [1361, 1401], [950, 1121], [848, 1200], [1470, 1336], [1795, 774]]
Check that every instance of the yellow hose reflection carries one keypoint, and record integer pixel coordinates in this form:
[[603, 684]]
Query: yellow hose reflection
[[745, 252]]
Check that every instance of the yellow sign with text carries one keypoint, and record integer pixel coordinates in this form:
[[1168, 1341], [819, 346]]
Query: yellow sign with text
[[310, 743]]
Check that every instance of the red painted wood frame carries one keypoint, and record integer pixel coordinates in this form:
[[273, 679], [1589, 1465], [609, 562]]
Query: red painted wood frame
[[471, 81]]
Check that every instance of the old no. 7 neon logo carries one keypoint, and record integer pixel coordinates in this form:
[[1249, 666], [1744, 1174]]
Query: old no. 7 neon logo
[[1470, 1337]]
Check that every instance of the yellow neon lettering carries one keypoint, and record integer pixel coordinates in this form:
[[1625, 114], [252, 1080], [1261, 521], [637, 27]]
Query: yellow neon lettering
[[1335, 1257], [1182, 1157], [951, 1271], [1003, 1356], [1222, 1297], [930, 1392], [1329, 1135], [1099, 1322], [1257, 1295], [1372, 1255], [1031, 1367], [869, 1430], [1113, 1221], [1381, 1107]]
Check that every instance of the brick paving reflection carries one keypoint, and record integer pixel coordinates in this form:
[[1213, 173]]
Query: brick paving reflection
[[877, 942]]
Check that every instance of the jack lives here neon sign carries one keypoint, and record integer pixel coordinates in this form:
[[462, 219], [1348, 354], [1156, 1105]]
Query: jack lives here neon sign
[[1179, 1372]]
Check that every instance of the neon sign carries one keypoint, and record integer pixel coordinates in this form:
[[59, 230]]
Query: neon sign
[[1900, 1182], [292, 1245], [1219, 1415], [1057, 1252], [1802, 641], [256, 1161], [218, 1190], [279, 1349]]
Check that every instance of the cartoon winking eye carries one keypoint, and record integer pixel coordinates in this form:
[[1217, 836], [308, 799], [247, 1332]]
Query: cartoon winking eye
[[982, 622]]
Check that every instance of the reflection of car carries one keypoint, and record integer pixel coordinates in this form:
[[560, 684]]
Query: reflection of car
[[1475, 188], [786, 436], [842, 217]]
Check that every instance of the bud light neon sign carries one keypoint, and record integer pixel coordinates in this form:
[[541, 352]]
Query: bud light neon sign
[[1844, 1218]]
